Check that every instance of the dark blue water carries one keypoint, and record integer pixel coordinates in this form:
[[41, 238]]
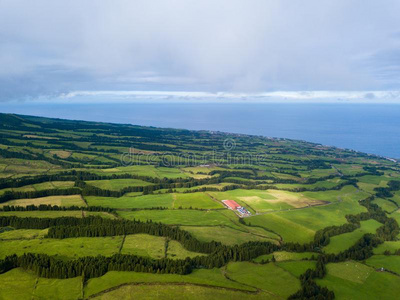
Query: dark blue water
[[369, 128]]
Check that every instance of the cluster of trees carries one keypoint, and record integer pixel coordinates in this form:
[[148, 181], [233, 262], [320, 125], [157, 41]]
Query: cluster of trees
[[373, 170], [309, 288], [90, 267], [387, 192]]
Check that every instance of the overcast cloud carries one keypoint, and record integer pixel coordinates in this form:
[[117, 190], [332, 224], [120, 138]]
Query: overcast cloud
[[248, 47]]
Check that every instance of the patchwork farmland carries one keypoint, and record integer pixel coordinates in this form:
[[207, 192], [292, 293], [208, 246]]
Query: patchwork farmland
[[83, 216]]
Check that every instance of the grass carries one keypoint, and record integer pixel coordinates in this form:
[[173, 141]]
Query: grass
[[146, 170], [20, 284], [262, 201], [352, 280], [55, 214], [63, 289], [226, 235], [344, 241], [301, 225], [211, 277], [144, 245], [65, 248], [385, 205], [179, 292], [17, 284], [69, 200], [147, 201], [23, 234], [117, 184], [154, 247], [41, 186], [195, 200], [388, 262], [297, 268], [390, 246], [180, 217], [285, 256], [176, 251], [269, 278]]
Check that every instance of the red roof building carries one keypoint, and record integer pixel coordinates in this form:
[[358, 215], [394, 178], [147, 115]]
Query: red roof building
[[231, 204]]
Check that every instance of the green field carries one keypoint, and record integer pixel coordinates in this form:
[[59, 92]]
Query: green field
[[213, 278], [180, 217], [153, 246], [50, 200], [352, 280], [269, 278], [388, 262], [19, 284], [195, 200], [117, 184], [147, 201], [14, 234], [391, 246], [228, 235], [346, 240], [65, 248], [300, 225], [296, 268], [286, 256], [56, 214]]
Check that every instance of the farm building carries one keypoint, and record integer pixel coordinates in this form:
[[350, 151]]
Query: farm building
[[231, 204]]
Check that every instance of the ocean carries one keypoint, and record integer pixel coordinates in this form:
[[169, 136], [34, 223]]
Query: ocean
[[370, 128]]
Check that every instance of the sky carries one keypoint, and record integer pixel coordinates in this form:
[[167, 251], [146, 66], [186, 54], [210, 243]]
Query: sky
[[214, 50]]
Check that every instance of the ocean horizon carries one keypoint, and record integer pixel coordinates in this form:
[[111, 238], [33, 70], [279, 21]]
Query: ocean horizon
[[369, 128]]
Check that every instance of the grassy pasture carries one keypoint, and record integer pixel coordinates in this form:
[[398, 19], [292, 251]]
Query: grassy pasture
[[344, 241], [269, 278], [195, 200], [395, 215], [68, 200], [176, 251], [146, 170], [349, 169], [56, 214], [286, 256], [352, 280], [64, 248], [117, 184], [262, 201], [390, 246], [388, 262], [144, 245], [41, 186], [180, 217], [146, 201], [296, 268], [23, 234], [385, 205], [180, 292], [20, 284], [396, 198], [212, 277], [300, 225], [227, 235], [328, 184], [348, 192]]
